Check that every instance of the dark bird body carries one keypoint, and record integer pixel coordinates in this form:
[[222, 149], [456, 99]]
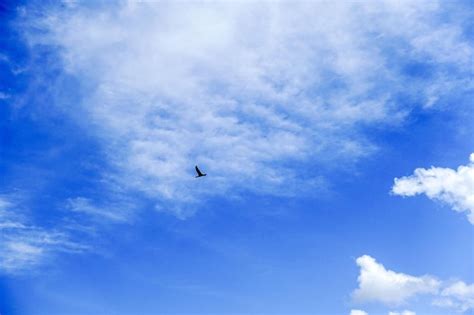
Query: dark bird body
[[199, 173]]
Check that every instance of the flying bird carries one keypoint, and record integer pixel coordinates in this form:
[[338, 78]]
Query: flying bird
[[199, 173]]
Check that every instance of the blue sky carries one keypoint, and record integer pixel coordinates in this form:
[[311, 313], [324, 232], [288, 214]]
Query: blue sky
[[337, 138]]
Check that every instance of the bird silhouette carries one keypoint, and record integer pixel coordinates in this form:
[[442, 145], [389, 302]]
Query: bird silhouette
[[199, 173]]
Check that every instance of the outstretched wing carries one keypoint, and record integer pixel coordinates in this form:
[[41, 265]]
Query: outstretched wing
[[198, 171]]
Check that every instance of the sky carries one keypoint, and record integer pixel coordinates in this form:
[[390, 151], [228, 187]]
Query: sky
[[337, 137]]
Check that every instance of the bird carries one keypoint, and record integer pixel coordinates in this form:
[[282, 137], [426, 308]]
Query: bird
[[199, 173]]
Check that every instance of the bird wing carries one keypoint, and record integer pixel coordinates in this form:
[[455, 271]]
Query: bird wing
[[198, 171]]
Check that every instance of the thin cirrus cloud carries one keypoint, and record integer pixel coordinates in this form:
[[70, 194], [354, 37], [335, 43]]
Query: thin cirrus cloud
[[90, 210], [360, 312], [25, 245], [163, 87], [378, 284], [455, 187]]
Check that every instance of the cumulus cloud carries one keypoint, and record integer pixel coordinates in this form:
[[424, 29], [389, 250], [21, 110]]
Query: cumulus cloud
[[358, 312], [454, 187], [25, 245], [245, 89], [379, 284]]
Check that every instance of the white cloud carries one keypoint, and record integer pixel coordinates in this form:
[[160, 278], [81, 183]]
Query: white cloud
[[360, 312], [87, 206], [405, 312], [25, 245], [249, 91], [454, 187], [458, 295], [27, 248], [379, 284]]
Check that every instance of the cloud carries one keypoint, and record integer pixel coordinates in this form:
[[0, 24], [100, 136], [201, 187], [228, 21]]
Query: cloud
[[453, 187], [3, 96], [389, 287], [166, 86], [360, 312], [377, 284], [458, 295], [25, 245], [87, 206], [405, 312]]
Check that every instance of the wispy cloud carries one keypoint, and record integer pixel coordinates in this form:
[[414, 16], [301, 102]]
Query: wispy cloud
[[378, 284], [87, 206], [25, 245], [360, 312], [166, 86], [454, 187], [3, 96], [457, 295], [405, 312]]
